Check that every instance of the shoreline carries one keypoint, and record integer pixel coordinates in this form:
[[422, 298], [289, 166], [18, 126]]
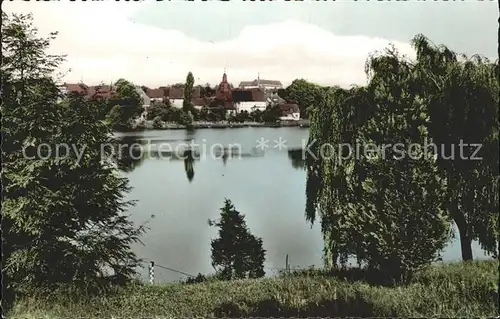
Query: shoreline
[[223, 125]]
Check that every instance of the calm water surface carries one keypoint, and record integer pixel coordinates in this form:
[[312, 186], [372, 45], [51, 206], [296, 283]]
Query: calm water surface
[[268, 187]]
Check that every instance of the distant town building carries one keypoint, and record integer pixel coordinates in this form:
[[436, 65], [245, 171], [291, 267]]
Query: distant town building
[[262, 84], [249, 100], [101, 91], [78, 88], [175, 94], [156, 95], [223, 95]]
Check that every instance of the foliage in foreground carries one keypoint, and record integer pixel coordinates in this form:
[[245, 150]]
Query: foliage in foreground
[[451, 291], [64, 216]]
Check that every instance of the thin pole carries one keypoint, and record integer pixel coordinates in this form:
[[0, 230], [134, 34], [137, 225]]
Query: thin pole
[[151, 272], [286, 266]]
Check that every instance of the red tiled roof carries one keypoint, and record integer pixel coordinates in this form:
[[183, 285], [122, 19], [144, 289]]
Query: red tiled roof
[[165, 90], [155, 93], [176, 93], [100, 91], [76, 87], [196, 92]]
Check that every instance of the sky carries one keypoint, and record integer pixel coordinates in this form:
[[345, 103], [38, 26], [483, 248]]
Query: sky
[[157, 43]]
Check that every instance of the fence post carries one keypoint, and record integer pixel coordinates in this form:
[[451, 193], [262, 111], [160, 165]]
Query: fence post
[[287, 270], [151, 272]]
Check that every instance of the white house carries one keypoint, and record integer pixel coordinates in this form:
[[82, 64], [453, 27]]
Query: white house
[[249, 100], [250, 106], [177, 103], [156, 95]]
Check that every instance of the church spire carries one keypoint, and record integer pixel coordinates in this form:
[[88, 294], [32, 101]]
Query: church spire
[[224, 76]]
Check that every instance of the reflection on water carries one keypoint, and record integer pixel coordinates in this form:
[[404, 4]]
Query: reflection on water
[[189, 164], [128, 153], [132, 150], [297, 159]]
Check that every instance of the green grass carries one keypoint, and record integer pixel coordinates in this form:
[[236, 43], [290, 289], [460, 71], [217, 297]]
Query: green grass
[[449, 290]]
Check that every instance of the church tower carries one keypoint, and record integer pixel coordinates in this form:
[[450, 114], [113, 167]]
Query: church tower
[[224, 93]]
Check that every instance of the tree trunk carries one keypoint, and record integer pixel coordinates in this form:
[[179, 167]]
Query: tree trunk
[[465, 239], [465, 244]]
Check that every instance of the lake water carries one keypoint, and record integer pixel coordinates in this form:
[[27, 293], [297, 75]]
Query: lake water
[[177, 197]]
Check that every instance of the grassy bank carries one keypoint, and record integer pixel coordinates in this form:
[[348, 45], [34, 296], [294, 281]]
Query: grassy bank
[[450, 290]]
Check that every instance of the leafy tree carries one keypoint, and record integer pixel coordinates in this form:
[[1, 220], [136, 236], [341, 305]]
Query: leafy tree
[[186, 119], [271, 114], [157, 122], [442, 99], [196, 114], [130, 103], [461, 96], [128, 97], [282, 94], [256, 116], [207, 91], [236, 253], [204, 114], [159, 109], [188, 93], [304, 93], [242, 117], [384, 211], [63, 217], [118, 119]]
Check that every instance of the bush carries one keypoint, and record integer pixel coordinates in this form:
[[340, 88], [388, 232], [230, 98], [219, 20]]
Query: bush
[[157, 122]]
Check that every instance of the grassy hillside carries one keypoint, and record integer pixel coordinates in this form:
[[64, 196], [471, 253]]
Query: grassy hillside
[[448, 290]]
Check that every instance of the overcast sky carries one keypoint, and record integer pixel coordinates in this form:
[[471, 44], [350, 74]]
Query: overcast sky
[[157, 43]]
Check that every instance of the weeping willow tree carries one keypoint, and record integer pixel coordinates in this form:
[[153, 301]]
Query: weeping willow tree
[[392, 210], [377, 203], [461, 98]]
